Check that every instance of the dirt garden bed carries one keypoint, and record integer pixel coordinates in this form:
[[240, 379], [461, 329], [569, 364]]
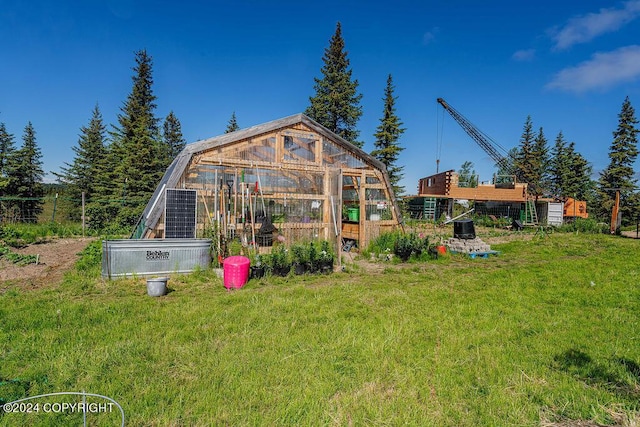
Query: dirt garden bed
[[54, 258]]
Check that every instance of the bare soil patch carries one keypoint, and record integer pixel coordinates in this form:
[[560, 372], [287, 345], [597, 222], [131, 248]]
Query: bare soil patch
[[630, 234], [55, 257]]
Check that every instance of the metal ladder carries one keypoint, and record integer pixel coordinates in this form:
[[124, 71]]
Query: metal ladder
[[530, 214]]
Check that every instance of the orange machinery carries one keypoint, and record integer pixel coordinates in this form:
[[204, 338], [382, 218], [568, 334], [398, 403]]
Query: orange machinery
[[575, 208]]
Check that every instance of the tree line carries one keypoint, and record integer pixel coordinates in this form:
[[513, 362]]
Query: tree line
[[114, 170], [117, 169], [560, 171]]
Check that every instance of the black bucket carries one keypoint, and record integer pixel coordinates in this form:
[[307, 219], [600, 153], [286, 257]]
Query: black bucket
[[464, 229]]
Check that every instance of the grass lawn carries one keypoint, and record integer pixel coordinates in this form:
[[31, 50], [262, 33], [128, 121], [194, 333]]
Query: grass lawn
[[547, 332]]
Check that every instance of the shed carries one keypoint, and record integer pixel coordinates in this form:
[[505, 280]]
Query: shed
[[291, 175]]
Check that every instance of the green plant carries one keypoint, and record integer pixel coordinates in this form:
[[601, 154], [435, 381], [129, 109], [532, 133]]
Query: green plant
[[300, 253], [280, 259], [16, 258], [403, 247], [585, 225], [383, 244], [313, 257], [410, 244], [326, 255], [234, 247], [256, 259], [90, 257]]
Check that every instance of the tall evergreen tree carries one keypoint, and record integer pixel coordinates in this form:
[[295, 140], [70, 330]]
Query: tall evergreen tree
[[540, 164], [172, 136], [136, 158], [570, 173], [387, 149], [232, 125], [83, 174], [619, 173], [24, 177], [7, 147], [559, 167], [336, 103], [580, 184], [524, 162]]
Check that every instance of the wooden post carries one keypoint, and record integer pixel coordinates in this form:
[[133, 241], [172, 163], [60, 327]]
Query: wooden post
[[327, 206], [55, 202], [215, 197], [235, 199], [363, 211], [83, 221], [253, 226], [615, 214]]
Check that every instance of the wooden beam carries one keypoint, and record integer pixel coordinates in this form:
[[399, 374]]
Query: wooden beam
[[363, 211]]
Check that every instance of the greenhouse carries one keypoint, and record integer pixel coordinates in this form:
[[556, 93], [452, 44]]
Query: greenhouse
[[286, 180]]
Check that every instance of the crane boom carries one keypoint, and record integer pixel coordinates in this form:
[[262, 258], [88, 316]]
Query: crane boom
[[491, 148], [477, 135]]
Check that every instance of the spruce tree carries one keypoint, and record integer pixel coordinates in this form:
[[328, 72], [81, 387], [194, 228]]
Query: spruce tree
[[24, 177], [232, 125], [618, 175], [387, 149], [7, 147], [172, 136], [540, 164], [570, 173], [559, 167], [523, 163], [136, 155], [336, 103], [84, 173], [579, 184]]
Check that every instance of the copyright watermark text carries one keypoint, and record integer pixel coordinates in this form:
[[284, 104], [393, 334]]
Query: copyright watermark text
[[58, 407], [54, 403]]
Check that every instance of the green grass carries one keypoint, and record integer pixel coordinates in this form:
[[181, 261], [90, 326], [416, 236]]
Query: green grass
[[19, 235], [547, 331]]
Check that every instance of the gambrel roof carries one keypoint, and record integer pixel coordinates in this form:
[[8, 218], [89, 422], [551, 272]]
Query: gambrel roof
[[176, 169]]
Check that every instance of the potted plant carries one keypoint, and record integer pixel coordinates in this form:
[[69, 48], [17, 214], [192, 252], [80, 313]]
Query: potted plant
[[403, 247], [325, 258], [280, 262], [420, 243], [300, 257], [312, 258], [257, 267]]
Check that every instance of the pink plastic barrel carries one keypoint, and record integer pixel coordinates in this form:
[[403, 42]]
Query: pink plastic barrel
[[236, 271]]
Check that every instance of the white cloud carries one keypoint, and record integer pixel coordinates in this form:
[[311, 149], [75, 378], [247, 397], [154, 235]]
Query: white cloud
[[524, 55], [603, 70], [581, 29], [430, 36]]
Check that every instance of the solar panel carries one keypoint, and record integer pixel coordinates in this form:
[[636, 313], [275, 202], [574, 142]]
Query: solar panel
[[180, 213]]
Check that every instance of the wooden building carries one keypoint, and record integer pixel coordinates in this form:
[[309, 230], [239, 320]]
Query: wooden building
[[437, 194], [445, 185], [292, 174]]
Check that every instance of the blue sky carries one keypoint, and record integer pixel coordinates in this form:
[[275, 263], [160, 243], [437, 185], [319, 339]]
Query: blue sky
[[567, 64]]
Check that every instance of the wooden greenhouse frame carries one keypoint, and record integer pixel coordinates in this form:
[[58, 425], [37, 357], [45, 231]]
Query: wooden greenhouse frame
[[293, 172]]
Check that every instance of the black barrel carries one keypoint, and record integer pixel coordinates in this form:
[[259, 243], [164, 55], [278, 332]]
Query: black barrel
[[464, 229]]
